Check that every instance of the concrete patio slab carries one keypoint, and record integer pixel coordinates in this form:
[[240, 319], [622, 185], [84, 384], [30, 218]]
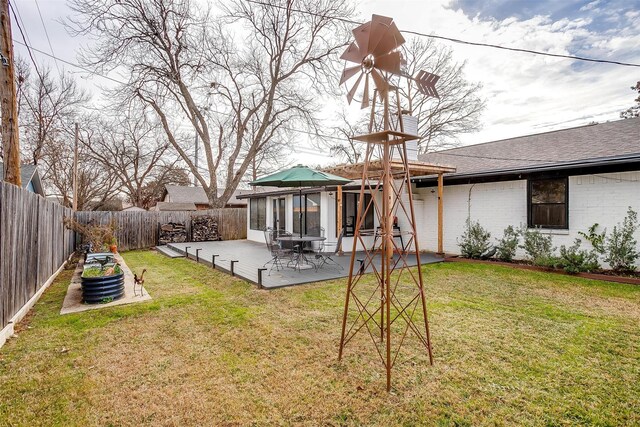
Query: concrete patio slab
[[244, 258], [73, 299]]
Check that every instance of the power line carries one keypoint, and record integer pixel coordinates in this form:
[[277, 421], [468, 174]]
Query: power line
[[46, 33], [454, 40]]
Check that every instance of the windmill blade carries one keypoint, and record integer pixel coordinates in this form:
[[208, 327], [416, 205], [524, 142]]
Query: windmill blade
[[380, 82], [347, 73], [365, 93], [389, 62], [352, 92], [352, 53], [379, 27], [391, 40], [361, 34], [426, 83]]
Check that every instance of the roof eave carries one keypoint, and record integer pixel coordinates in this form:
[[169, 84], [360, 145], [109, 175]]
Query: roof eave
[[606, 161]]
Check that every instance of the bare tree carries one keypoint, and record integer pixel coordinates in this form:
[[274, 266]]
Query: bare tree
[[48, 106], [182, 61], [133, 150], [440, 121], [341, 146], [633, 111], [457, 111], [96, 185], [153, 190]]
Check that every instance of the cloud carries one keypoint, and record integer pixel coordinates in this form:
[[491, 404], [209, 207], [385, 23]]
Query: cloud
[[529, 93]]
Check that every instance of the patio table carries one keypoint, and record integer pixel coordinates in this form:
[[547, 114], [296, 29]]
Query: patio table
[[300, 256]]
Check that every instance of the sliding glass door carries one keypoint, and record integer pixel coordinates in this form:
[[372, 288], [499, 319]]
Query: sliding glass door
[[279, 214], [306, 214]]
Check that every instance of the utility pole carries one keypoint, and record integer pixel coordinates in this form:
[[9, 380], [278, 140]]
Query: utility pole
[[10, 142], [75, 170]]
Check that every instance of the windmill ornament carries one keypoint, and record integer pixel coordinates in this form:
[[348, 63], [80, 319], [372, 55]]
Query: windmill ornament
[[391, 308], [375, 53]]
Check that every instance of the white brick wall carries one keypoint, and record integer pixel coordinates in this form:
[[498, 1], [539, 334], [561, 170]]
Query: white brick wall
[[601, 198]]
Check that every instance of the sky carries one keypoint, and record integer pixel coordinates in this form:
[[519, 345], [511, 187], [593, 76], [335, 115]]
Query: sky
[[525, 93]]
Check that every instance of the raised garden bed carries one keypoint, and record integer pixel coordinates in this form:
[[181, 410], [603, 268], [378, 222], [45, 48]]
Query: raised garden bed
[[595, 276], [101, 283]]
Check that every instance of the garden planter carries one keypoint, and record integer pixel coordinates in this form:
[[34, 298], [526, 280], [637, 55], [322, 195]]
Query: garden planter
[[98, 286]]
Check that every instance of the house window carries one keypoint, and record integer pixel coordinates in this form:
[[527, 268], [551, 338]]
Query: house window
[[350, 212], [548, 203], [258, 214], [306, 214]]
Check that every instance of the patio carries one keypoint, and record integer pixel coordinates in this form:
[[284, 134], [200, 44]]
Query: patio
[[244, 258]]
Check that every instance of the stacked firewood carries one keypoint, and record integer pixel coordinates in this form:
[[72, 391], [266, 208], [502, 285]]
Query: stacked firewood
[[172, 232], [204, 228]]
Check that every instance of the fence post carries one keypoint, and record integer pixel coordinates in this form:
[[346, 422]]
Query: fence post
[[198, 254]]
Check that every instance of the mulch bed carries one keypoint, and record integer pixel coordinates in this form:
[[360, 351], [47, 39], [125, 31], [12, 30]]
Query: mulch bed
[[609, 276]]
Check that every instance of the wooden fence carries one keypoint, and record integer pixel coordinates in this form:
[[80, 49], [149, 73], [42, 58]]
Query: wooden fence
[[33, 245], [139, 230]]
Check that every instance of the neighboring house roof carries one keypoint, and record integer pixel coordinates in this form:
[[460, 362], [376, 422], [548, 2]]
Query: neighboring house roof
[[28, 175], [185, 194], [188, 194], [585, 145], [171, 206], [133, 209]]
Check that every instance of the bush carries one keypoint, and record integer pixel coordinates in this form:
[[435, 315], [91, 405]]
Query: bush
[[474, 242], [596, 239], [538, 247], [575, 260], [620, 246], [506, 247]]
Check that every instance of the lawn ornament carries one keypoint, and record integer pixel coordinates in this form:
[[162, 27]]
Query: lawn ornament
[[392, 308]]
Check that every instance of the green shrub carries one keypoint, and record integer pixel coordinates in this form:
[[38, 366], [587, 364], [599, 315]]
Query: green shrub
[[575, 260], [620, 246], [506, 247], [538, 247], [596, 239], [474, 242]]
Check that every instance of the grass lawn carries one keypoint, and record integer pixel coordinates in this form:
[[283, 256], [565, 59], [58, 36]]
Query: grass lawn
[[510, 346]]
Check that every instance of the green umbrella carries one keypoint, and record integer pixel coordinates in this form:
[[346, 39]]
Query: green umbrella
[[300, 176]]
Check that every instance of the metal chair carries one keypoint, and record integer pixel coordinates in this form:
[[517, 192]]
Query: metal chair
[[277, 253], [324, 255]]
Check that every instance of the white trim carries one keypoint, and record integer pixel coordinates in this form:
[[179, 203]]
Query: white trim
[[8, 330]]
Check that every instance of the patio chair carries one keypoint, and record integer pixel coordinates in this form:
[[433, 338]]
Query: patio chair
[[325, 254], [277, 253]]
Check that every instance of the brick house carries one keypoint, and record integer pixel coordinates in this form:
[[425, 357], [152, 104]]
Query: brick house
[[562, 182]]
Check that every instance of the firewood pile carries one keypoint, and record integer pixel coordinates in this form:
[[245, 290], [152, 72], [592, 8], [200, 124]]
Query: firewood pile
[[172, 232], [204, 228]]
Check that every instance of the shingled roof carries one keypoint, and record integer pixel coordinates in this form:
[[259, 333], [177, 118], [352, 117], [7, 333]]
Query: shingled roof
[[188, 194], [598, 141]]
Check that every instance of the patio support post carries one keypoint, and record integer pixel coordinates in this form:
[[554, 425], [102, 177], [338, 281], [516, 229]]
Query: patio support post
[[440, 214], [260, 270], [339, 213], [233, 262]]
